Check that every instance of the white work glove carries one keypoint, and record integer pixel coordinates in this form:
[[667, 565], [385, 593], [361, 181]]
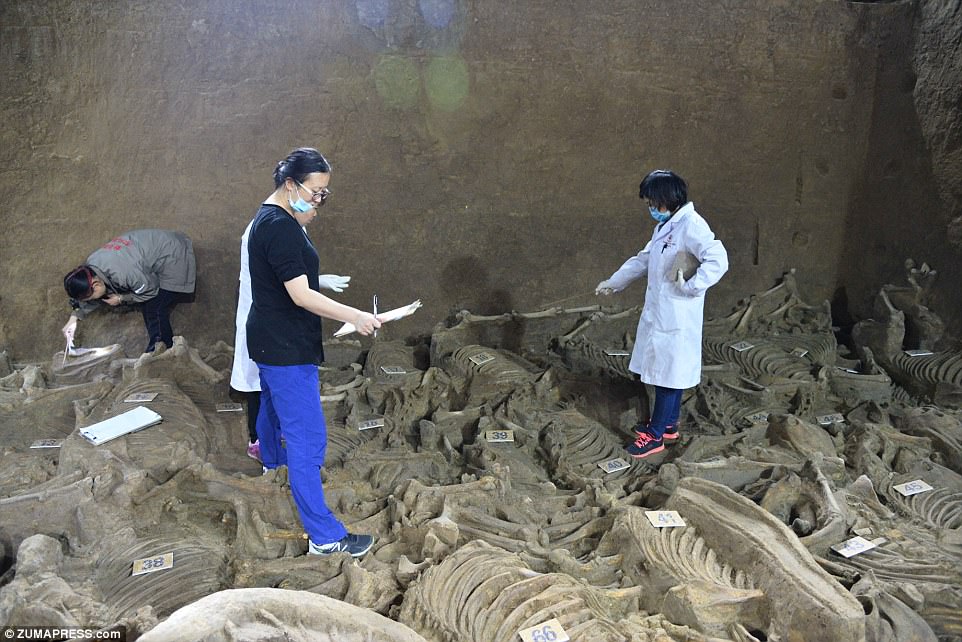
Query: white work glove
[[332, 282], [70, 330], [604, 288]]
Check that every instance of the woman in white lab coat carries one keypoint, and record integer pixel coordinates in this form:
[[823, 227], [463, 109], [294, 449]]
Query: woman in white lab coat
[[682, 260], [244, 376]]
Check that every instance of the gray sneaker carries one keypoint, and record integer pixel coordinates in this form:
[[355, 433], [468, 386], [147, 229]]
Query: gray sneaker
[[356, 545]]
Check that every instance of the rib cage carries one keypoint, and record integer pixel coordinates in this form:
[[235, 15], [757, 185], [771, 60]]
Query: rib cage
[[585, 346], [684, 554], [575, 445], [198, 571], [580, 350], [481, 593], [940, 508], [501, 370], [891, 565], [727, 405], [942, 367], [758, 361], [388, 354]]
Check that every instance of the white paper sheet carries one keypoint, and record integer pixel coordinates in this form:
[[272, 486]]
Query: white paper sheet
[[131, 421], [391, 315]]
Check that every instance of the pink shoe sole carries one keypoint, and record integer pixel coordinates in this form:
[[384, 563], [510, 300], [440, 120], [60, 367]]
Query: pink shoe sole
[[668, 436], [654, 451]]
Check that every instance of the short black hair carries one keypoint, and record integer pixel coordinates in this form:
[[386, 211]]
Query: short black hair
[[664, 187], [299, 163], [79, 282]]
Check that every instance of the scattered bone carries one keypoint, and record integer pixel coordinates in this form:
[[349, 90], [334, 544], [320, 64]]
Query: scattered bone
[[478, 538]]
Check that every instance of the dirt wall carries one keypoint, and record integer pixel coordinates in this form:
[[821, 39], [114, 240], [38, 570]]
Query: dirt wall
[[486, 155]]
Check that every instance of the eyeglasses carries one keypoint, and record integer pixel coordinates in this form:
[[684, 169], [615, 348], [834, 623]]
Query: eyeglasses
[[320, 196]]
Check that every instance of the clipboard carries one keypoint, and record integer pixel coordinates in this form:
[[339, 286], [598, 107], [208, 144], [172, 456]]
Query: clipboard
[[123, 424], [687, 263]]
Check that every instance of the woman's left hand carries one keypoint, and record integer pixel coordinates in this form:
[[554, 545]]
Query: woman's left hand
[[112, 299], [680, 282]]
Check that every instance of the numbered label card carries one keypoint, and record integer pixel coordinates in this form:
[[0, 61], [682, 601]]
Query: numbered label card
[[393, 370], [912, 487], [550, 631], [757, 418], [371, 423], [229, 407], [139, 397], [664, 518], [918, 353], [613, 465], [481, 358], [617, 353], [799, 352], [741, 346], [853, 546], [827, 420], [152, 564], [47, 443], [496, 436]]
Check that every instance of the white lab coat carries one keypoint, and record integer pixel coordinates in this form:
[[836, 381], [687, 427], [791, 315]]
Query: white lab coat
[[244, 375], [667, 349]]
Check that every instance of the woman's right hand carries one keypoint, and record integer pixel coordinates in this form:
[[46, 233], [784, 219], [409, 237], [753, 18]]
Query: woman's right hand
[[70, 329], [366, 323], [604, 289]]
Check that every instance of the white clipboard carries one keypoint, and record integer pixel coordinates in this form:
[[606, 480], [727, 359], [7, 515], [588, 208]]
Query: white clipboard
[[123, 424]]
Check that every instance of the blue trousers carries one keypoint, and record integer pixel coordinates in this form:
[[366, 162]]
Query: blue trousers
[[291, 408], [667, 410]]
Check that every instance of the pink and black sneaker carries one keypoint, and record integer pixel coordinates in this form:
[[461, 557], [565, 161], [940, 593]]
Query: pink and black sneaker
[[645, 445], [671, 432], [254, 450]]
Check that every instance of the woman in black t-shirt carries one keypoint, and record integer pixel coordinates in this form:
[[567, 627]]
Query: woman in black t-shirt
[[284, 340]]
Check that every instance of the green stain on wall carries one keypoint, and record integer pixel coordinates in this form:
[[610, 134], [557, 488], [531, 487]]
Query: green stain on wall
[[397, 81], [446, 82]]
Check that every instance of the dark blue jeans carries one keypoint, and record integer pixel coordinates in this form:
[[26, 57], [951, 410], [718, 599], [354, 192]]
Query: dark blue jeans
[[157, 317], [667, 410]]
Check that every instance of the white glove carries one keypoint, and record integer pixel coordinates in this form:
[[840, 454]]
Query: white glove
[[680, 281], [70, 330], [604, 289], [332, 282]]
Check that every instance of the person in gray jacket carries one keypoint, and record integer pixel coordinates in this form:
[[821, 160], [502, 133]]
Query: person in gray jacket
[[152, 267]]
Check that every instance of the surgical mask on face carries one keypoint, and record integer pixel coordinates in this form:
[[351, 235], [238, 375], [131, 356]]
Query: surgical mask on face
[[300, 205], [661, 217]]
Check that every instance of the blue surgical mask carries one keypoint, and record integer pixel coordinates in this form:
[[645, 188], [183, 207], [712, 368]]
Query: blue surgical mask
[[661, 217], [300, 205]]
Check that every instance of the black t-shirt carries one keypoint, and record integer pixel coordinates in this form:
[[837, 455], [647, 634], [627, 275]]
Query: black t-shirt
[[279, 332]]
